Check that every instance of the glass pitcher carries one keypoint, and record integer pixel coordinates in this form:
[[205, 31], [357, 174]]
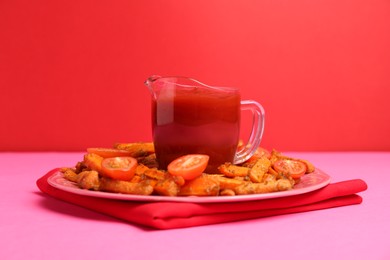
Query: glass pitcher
[[189, 117]]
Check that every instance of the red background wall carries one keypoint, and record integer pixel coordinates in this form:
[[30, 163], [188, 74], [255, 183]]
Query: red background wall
[[72, 72]]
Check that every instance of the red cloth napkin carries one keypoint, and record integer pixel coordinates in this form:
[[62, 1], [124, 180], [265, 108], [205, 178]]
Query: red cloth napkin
[[168, 215]]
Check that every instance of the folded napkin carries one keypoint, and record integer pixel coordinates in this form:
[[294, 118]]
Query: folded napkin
[[168, 215]]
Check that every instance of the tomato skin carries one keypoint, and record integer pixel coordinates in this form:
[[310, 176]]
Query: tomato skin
[[189, 166], [294, 168], [119, 168], [108, 152]]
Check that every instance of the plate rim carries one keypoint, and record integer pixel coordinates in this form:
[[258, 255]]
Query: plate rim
[[54, 179]]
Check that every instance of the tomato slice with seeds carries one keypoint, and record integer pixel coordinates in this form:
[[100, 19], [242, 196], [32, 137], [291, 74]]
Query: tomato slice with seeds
[[109, 152], [119, 168], [189, 166], [294, 168]]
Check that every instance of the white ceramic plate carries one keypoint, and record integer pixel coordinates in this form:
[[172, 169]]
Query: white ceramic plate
[[309, 182]]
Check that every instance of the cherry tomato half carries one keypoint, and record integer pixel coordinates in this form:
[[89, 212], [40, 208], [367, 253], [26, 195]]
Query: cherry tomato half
[[109, 152], [119, 168], [189, 166], [294, 168]]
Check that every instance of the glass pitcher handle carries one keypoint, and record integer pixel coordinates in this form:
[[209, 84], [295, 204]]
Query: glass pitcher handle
[[257, 131]]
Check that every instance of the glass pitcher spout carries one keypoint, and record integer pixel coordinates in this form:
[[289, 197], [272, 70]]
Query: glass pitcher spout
[[149, 84]]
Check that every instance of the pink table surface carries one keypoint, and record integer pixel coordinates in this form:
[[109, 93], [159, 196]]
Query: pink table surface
[[35, 226]]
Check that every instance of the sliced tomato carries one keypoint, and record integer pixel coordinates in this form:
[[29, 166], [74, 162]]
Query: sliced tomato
[[294, 168], [109, 152], [189, 166], [119, 168]]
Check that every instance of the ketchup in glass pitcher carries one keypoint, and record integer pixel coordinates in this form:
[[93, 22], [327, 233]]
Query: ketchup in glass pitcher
[[189, 117]]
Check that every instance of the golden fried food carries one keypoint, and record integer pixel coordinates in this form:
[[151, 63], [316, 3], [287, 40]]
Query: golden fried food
[[167, 187], [258, 188], [200, 186], [256, 176], [227, 192], [227, 183], [231, 170], [155, 174], [309, 166], [269, 177], [149, 160], [125, 187], [139, 149], [89, 180], [259, 169], [93, 162], [69, 174]]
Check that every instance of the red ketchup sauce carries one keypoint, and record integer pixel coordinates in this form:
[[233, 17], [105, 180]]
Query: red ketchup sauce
[[196, 121]]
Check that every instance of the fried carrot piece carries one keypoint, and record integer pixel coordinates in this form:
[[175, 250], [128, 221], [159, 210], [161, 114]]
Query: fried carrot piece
[[227, 192], [156, 174], [231, 170], [258, 170], [88, 180], [138, 178], [69, 174], [126, 187], [309, 166], [167, 187], [149, 160], [93, 161], [226, 183], [179, 180], [200, 186], [138, 149], [141, 169], [273, 172], [269, 177], [258, 188]]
